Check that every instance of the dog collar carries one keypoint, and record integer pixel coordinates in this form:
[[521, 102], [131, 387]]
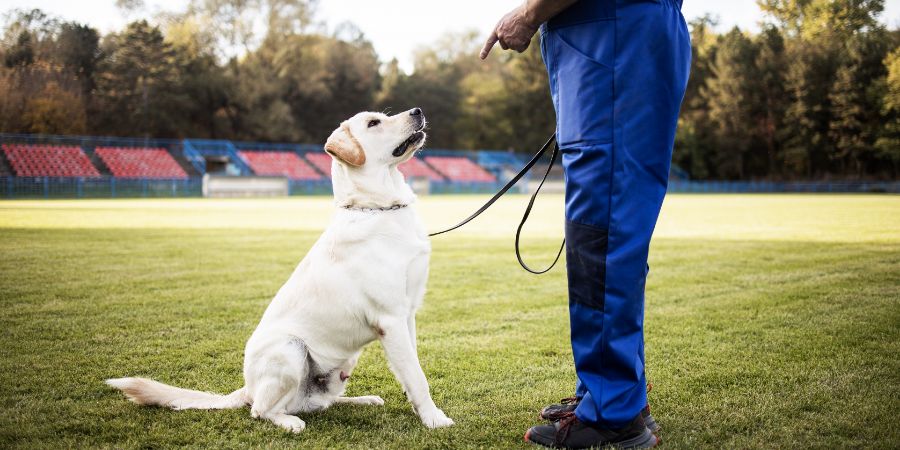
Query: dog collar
[[384, 208]]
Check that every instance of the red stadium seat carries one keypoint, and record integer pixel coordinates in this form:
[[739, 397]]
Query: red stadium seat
[[276, 163], [49, 161], [321, 161], [139, 162], [457, 168], [416, 168]]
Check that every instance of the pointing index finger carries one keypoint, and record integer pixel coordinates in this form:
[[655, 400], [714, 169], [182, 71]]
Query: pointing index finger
[[489, 44]]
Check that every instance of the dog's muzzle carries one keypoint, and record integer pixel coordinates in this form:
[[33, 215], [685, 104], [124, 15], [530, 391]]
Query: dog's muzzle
[[413, 140]]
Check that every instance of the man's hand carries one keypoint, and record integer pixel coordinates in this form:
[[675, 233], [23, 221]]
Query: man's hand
[[513, 31]]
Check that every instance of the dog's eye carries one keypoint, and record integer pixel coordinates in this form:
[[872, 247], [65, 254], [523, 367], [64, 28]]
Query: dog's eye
[[374, 122]]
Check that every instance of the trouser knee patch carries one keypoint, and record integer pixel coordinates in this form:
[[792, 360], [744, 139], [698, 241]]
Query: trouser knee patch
[[586, 247]]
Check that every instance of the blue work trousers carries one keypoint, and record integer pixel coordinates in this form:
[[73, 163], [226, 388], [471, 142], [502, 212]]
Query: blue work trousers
[[618, 71]]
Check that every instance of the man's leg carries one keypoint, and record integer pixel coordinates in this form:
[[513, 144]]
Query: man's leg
[[650, 65], [617, 84]]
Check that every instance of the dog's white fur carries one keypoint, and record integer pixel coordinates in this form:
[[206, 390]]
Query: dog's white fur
[[363, 280]]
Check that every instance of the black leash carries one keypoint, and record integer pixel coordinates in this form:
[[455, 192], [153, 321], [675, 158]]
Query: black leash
[[510, 184]]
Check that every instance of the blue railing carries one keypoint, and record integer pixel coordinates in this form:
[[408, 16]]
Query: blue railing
[[457, 187], [309, 187], [100, 187], [194, 157], [786, 186], [196, 149], [497, 158], [111, 187]]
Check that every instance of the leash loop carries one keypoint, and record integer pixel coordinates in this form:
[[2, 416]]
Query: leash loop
[[537, 156], [528, 212]]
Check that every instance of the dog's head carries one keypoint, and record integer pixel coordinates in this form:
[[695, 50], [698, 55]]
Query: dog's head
[[367, 149]]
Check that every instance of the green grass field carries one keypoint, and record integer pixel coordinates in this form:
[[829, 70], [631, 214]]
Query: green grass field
[[773, 321]]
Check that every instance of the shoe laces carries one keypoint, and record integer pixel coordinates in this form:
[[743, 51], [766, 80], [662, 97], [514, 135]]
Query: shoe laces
[[555, 416], [565, 422]]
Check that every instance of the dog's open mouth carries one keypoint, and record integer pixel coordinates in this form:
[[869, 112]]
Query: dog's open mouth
[[412, 141]]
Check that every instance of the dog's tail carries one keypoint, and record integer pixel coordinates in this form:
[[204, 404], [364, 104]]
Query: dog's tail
[[144, 391]]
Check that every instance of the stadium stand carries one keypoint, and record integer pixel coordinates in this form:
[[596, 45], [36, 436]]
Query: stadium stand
[[488, 158], [49, 166], [5, 171], [321, 161], [138, 162], [416, 168], [29, 160], [278, 163], [460, 169]]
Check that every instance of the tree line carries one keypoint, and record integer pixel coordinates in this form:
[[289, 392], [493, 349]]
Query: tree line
[[814, 94]]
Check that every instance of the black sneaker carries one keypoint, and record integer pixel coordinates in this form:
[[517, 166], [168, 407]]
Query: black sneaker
[[559, 410], [568, 405], [569, 432]]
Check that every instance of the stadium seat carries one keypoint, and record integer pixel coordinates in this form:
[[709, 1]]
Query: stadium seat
[[28, 160], [279, 163], [458, 168], [321, 161], [416, 168], [140, 162]]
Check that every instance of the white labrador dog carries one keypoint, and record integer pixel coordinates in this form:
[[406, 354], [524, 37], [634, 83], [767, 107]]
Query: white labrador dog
[[363, 280]]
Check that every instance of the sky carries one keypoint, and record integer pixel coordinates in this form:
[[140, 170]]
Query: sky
[[397, 27]]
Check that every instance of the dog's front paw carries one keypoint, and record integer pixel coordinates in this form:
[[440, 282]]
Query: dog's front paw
[[373, 400], [291, 423], [436, 419]]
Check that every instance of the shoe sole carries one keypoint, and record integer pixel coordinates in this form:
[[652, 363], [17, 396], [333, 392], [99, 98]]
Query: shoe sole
[[651, 424], [644, 440], [649, 421]]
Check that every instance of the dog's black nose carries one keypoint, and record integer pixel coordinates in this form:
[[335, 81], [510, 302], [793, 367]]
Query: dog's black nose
[[415, 112]]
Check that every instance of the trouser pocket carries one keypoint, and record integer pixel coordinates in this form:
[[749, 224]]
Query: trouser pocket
[[580, 59]]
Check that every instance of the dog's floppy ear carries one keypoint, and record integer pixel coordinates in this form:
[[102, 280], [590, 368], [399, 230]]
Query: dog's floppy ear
[[343, 146]]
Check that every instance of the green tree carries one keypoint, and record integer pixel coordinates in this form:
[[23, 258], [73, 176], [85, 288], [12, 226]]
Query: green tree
[[513, 109], [234, 23], [435, 87], [28, 36], [207, 86], [734, 105], [22, 52], [137, 86], [856, 102], [41, 98], [695, 136], [808, 81], [300, 86], [78, 51], [770, 62], [888, 142], [344, 70], [823, 19]]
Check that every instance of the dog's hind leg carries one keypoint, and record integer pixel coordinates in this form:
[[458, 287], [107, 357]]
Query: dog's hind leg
[[277, 383], [373, 400], [270, 401]]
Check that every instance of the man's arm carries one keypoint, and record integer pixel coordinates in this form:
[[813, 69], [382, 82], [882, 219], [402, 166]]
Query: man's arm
[[515, 29]]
